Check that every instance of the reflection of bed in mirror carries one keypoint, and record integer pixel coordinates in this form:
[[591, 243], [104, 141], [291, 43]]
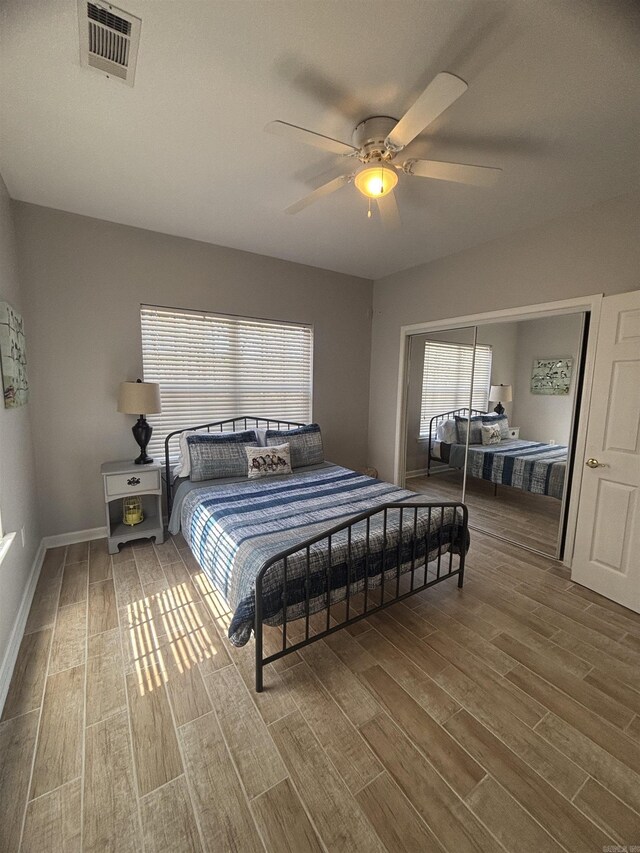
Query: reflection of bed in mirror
[[526, 465]]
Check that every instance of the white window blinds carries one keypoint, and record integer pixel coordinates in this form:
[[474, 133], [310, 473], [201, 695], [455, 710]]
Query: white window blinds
[[447, 379], [211, 367]]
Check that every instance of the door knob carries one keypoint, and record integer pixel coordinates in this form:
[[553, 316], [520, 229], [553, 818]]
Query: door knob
[[593, 463]]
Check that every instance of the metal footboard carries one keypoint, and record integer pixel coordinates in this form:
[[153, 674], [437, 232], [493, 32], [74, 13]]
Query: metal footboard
[[358, 599]]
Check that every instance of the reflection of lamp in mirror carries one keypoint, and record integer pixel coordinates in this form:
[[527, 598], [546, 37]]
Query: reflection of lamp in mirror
[[500, 394]]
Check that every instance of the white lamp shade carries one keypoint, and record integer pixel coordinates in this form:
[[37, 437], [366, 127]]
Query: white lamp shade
[[139, 398], [501, 394]]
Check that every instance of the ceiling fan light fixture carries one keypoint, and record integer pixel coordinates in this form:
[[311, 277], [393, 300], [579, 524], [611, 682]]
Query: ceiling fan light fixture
[[376, 181]]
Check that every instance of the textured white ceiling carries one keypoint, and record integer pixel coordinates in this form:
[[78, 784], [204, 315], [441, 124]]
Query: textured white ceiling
[[553, 99]]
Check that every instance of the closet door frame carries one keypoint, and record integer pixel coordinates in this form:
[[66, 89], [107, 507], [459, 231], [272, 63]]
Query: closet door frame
[[591, 304]]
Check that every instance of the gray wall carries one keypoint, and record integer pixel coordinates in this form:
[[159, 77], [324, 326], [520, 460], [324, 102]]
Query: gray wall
[[17, 477], [594, 251], [539, 416], [84, 281]]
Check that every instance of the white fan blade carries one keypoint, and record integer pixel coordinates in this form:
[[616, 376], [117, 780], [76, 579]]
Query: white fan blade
[[443, 90], [389, 212], [325, 189], [309, 137], [481, 176]]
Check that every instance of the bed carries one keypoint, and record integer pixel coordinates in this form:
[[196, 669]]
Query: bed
[[323, 547], [526, 465]]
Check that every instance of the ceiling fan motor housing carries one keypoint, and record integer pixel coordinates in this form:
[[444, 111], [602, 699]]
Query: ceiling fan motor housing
[[369, 137]]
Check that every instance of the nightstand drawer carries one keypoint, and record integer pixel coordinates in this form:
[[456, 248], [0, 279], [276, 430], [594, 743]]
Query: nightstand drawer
[[514, 432], [131, 483]]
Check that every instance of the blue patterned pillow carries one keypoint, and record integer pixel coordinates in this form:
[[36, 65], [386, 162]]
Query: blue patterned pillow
[[462, 425], [305, 444], [219, 455], [501, 420]]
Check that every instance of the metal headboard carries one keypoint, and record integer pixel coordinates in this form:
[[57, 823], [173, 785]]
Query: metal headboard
[[438, 419], [228, 425]]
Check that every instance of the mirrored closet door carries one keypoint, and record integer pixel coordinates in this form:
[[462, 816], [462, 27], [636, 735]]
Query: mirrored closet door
[[441, 369], [490, 418]]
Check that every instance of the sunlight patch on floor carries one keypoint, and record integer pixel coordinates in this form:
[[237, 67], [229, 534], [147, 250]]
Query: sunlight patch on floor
[[168, 623], [218, 607]]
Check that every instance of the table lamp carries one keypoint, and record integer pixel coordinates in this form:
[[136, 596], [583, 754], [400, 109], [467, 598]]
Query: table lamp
[[500, 393], [136, 397]]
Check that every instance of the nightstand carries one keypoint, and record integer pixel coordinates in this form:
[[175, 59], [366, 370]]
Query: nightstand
[[514, 432], [124, 480]]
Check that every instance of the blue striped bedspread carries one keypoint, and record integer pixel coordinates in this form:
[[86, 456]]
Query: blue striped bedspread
[[526, 465], [234, 529]]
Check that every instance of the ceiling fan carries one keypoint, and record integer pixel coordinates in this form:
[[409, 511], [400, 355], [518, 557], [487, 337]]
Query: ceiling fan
[[377, 143]]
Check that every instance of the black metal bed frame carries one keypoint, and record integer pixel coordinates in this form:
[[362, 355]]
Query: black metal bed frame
[[367, 594], [436, 421], [380, 594]]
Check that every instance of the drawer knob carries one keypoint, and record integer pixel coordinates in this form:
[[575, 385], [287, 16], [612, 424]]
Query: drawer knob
[[133, 481]]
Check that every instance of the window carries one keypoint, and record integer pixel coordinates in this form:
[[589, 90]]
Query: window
[[212, 366], [447, 378], [6, 540]]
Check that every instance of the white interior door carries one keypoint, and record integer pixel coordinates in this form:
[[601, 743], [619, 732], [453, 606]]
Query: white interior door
[[607, 546]]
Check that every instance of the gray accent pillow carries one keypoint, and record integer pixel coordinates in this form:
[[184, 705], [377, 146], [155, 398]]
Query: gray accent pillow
[[462, 425], [305, 444], [501, 420], [219, 455]]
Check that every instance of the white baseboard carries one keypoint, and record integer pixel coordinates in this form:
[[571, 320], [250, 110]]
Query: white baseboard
[[17, 632], [20, 622], [419, 472], [74, 536]]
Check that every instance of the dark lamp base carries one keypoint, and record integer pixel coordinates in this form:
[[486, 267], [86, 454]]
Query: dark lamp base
[[499, 409], [143, 459], [142, 434]]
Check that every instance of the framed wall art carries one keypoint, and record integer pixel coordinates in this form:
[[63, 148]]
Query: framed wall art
[[13, 360], [551, 376]]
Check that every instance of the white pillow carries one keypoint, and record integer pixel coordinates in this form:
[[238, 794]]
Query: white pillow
[[183, 468], [491, 434], [447, 432], [268, 461]]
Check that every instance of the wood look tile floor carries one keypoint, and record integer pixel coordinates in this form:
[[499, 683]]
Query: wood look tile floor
[[501, 717], [525, 518]]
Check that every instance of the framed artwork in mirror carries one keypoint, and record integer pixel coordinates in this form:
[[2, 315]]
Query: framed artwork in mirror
[[551, 376]]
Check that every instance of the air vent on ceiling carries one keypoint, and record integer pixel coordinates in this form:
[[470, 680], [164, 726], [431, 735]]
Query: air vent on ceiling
[[109, 40]]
